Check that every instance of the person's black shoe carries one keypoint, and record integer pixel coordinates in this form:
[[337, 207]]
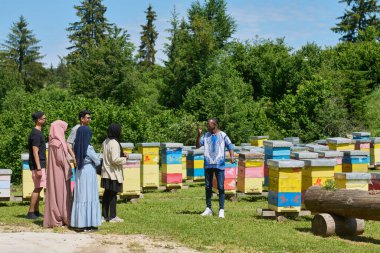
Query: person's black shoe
[[31, 216], [38, 214]]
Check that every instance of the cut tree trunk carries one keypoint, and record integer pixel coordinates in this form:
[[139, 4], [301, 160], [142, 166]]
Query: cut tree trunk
[[325, 224], [348, 203]]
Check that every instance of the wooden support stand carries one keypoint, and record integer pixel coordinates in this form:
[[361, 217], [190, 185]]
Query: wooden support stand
[[280, 216], [325, 224]]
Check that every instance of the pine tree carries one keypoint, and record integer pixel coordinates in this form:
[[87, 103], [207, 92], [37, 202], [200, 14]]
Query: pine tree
[[362, 15], [21, 52], [22, 46], [91, 30], [148, 39]]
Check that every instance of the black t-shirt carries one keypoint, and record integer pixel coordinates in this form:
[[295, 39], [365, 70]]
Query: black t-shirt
[[37, 139]]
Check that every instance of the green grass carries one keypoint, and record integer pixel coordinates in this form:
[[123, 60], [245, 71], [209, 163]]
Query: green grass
[[175, 216]]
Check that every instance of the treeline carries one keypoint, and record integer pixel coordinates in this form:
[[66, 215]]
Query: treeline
[[255, 87]]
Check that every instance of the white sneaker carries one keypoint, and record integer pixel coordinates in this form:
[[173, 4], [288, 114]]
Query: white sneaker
[[221, 213], [207, 212], [116, 220]]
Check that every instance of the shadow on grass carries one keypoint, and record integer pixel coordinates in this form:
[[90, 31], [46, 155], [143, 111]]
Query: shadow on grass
[[196, 184], [304, 230], [253, 199], [21, 203], [364, 239], [189, 212]]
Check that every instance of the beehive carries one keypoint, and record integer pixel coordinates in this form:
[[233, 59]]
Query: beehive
[[284, 193], [303, 155], [352, 180], [355, 161], [5, 183], [363, 145], [258, 141], [339, 143], [276, 150], [316, 147], [131, 172], [27, 181], [149, 167], [361, 135], [195, 164], [375, 151], [127, 147], [171, 162]]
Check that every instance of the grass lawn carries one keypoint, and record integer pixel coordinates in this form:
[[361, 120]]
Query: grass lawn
[[175, 216]]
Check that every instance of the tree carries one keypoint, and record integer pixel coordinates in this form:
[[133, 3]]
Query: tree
[[106, 69], [21, 48], [90, 31], [193, 46], [362, 14], [148, 39]]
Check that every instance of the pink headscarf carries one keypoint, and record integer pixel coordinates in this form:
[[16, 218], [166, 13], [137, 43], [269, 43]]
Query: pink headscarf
[[57, 135]]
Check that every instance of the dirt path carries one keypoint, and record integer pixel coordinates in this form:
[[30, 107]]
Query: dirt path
[[21, 239]]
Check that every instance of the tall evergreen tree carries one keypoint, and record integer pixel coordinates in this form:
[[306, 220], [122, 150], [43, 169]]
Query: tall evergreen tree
[[90, 31], [21, 51], [194, 44], [361, 15], [148, 39], [22, 46]]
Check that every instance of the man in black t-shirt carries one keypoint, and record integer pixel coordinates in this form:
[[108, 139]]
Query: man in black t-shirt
[[37, 162]]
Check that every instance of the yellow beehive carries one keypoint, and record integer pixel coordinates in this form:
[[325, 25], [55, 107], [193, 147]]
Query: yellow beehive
[[27, 181], [288, 185], [333, 155], [375, 151], [250, 185], [355, 167], [127, 147], [353, 181], [258, 141], [131, 173], [149, 175], [339, 144], [150, 152], [131, 184]]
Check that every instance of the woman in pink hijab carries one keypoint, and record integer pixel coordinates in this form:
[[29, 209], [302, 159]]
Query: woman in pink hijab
[[58, 196]]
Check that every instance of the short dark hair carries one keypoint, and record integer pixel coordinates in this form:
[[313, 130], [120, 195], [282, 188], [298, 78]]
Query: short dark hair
[[215, 120], [37, 115], [83, 113]]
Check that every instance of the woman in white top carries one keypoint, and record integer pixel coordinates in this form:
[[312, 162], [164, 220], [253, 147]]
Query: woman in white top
[[112, 172]]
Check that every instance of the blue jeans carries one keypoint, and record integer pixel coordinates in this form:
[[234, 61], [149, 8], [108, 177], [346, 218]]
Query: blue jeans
[[219, 174]]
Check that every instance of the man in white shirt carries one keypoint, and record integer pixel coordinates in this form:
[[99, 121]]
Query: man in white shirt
[[84, 120]]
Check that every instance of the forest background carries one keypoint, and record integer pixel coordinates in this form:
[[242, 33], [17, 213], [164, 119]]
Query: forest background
[[255, 87]]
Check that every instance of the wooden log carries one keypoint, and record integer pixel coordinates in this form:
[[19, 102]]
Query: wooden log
[[348, 203], [325, 224]]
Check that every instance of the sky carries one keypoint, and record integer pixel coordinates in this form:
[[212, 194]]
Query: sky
[[298, 21]]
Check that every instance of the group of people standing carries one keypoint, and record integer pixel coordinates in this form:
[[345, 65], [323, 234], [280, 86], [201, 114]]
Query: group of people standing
[[80, 210]]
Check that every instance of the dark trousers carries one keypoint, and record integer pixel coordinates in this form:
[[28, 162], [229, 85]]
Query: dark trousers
[[219, 174], [109, 204]]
